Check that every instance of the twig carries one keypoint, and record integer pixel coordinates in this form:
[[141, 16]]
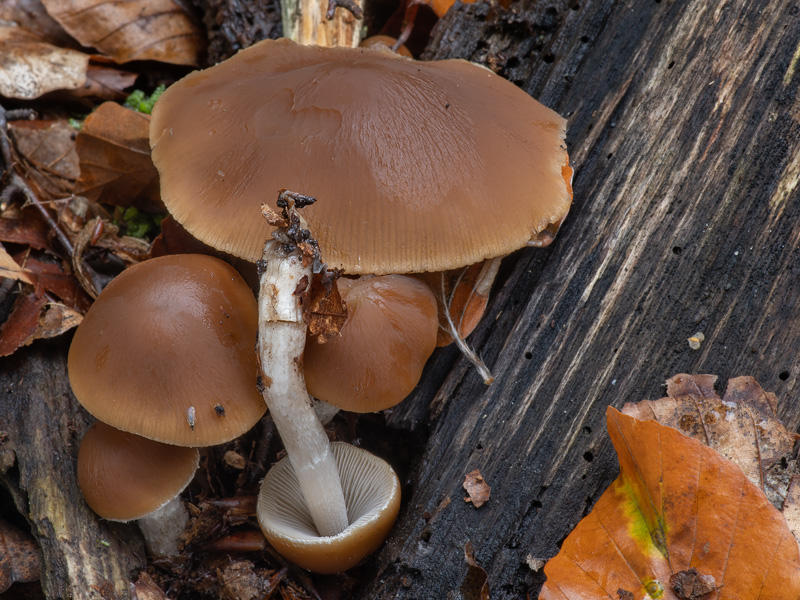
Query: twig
[[349, 5]]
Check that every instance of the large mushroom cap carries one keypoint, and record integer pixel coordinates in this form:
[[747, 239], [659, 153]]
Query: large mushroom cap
[[372, 496], [167, 352], [125, 476], [417, 166]]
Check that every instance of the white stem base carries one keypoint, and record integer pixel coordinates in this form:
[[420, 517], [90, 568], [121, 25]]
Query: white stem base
[[281, 341], [163, 528]]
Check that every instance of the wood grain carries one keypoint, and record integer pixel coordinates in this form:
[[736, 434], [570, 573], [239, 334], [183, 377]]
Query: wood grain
[[683, 128]]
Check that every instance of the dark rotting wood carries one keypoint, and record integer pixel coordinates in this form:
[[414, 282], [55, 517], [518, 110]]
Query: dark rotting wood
[[684, 128]]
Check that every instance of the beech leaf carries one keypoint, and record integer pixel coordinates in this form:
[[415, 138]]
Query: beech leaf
[[30, 67], [677, 505], [132, 30], [742, 426], [114, 152]]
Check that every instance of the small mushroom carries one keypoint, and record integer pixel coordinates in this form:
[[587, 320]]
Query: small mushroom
[[126, 477], [378, 356], [372, 494], [166, 345]]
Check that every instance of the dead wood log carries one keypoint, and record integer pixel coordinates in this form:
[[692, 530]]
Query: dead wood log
[[684, 128], [41, 425]]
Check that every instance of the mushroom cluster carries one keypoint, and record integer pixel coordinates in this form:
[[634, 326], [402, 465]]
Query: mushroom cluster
[[418, 167], [164, 359]]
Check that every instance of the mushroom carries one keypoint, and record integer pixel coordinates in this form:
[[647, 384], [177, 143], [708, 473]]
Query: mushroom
[[378, 356], [372, 496], [166, 352], [419, 167], [126, 477]]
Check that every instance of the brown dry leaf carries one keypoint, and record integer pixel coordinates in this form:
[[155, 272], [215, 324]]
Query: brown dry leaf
[[241, 581], [30, 67], [463, 293], [10, 269], [676, 505], [35, 318], [791, 506], [146, 589], [115, 166], [47, 149], [476, 583], [51, 277], [324, 310], [28, 230], [19, 557], [133, 30], [477, 488], [32, 16], [741, 426]]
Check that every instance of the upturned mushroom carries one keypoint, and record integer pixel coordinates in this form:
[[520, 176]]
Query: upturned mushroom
[[125, 477], [418, 167]]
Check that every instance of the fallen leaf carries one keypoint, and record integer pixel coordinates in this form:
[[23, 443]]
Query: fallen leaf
[[28, 230], [476, 582], [691, 584], [10, 269], [113, 147], [133, 30], [742, 426], [19, 557], [146, 589], [463, 293], [51, 277], [477, 488], [676, 505], [30, 67], [35, 318], [47, 149], [324, 310], [791, 506], [32, 16]]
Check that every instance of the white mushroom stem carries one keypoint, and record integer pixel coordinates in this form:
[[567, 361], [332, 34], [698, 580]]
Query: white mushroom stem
[[162, 529], [281, 340]]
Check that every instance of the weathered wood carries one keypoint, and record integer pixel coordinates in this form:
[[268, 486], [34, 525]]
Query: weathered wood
[[684, 123], [41, 425]]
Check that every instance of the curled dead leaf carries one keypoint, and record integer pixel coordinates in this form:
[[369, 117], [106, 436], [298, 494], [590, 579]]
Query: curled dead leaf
[[30, 67], [323, 308], [19, 557], [476, 581], [676, 505], [133, 30], [47, 155], [35, 318], [477, 488]]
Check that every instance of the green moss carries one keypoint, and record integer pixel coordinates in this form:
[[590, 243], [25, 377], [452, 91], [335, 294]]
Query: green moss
[[142, 103]]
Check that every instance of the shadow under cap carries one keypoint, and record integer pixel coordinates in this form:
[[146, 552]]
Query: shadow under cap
[[417, 166]]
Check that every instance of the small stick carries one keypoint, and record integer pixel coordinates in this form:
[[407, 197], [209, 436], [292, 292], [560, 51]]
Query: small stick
[[348, 5]]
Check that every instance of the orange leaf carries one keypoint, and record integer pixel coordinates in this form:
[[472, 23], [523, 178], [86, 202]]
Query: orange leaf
[[741, 426], [132, 30], [676, 505], [477, 488]]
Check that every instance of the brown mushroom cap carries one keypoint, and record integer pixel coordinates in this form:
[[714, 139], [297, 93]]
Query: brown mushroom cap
[[372, 496], [417, 166], [125, 476], [168, 337], [382, 348]]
